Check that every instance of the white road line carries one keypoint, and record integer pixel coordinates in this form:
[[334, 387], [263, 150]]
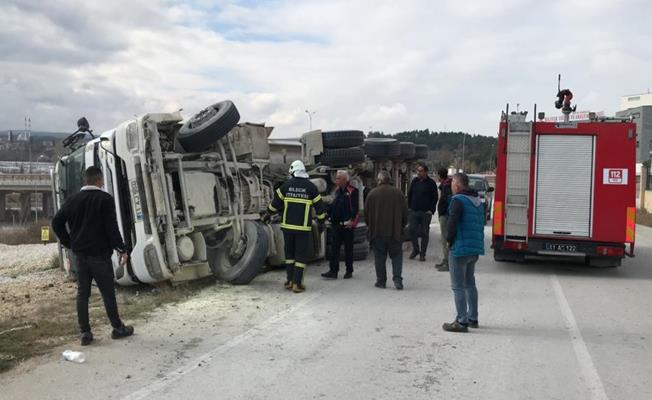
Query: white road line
[[589, 372], [191, 366]]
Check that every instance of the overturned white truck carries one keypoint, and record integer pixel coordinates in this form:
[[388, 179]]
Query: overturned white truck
[[189, 195]]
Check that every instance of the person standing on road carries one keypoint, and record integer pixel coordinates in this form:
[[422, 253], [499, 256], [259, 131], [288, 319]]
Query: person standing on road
[[422, 200], [344, 219], [442, 211], [385, 213], [296, 199], [92, 237], [466, 241]]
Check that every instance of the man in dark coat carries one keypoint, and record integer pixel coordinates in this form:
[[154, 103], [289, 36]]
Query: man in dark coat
[[422, 200]]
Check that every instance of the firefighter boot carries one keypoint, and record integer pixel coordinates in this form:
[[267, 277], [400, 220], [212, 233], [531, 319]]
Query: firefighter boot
[[298, 287], [289, 269]]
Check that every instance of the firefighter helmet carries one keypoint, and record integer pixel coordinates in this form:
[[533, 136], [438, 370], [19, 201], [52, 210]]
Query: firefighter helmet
[[297, 166]]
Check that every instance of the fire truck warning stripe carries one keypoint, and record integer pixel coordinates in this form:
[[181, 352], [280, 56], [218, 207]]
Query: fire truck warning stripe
[[498, 218]]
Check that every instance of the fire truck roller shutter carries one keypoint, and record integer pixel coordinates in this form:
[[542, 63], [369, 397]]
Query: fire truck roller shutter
[[564, 185], [208, 126]]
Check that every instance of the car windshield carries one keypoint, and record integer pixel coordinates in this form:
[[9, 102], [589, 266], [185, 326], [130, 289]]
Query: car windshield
[[71, 174], [477, 184]]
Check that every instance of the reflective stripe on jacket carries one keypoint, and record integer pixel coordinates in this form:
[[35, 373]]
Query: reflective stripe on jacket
[[295, 199]]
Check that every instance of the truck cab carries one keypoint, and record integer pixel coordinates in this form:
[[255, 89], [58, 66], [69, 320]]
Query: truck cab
[[183, 214]]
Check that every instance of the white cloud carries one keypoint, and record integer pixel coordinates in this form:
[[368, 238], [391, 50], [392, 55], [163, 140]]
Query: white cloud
[[358, 64]]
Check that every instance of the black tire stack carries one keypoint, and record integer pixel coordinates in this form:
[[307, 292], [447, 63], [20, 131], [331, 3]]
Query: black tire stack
[[342, 148], [360, 243], [382, 148]]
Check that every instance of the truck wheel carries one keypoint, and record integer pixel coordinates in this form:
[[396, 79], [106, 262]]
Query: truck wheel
[[604, 262], [342, 139], [507, 255], [208, 126], [240, 271], [407, 150], [360, 251], [421, 151], [342, 157], [360, 233], [382, 148]]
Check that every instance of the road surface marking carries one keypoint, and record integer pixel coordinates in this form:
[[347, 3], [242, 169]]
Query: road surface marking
[[589, 372], [177, 374]]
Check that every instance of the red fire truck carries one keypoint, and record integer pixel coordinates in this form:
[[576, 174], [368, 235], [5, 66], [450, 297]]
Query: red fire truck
[[565, 189]]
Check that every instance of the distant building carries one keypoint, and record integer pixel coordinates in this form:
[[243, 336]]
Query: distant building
[[635, 100], [642, 116]]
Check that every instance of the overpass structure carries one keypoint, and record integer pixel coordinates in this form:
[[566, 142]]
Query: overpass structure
[[25, 196]]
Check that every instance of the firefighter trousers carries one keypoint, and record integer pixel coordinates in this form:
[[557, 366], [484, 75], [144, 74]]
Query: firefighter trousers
[[296, 254]]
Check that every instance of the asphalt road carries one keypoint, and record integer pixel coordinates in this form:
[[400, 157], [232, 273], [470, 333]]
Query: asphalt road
[[549, 330]]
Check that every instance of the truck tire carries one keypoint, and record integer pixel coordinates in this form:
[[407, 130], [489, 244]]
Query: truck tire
[[342, 139], [243, 270], [360, 251], [382, 148], [359, 234], [604, 262], [508, 256], [342, 157], [421, 152], [407, 150], [208, 126]]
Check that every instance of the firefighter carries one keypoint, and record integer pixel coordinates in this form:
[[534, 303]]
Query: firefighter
[[295, 199]]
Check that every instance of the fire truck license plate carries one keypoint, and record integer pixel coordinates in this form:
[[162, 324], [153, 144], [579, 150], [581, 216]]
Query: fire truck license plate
[[565, 248]]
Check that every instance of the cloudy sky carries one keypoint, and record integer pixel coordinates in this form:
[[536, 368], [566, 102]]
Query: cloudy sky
[[381, 65]]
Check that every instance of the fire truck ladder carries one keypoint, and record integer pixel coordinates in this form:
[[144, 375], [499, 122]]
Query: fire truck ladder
[[519, 134]]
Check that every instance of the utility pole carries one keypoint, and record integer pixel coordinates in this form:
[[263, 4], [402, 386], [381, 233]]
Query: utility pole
[[310, 114]]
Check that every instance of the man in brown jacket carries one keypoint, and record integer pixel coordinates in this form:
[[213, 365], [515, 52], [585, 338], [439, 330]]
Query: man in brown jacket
[[386, 214]]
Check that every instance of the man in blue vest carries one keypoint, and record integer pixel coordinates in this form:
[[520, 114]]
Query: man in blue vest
[[466, 242]]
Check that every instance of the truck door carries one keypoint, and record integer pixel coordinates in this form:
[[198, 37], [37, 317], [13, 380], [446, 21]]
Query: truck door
[[564, 185]]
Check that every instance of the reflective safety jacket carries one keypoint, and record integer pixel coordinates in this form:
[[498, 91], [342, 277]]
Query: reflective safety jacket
[[294, 199]]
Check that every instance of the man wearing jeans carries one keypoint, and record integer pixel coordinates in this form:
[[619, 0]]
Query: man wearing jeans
[[385, 213], [422, 200], [442, 210], [466, 241], [92, 235]]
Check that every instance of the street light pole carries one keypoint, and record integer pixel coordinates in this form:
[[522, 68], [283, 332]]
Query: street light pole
[[310, 114]]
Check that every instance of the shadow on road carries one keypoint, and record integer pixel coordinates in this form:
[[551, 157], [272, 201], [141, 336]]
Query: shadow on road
[[635, 268]]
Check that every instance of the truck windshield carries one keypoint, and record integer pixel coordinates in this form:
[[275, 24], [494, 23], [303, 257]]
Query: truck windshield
[[71, 174]]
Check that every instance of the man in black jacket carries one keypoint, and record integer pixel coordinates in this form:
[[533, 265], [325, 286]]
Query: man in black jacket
[[92, 235], [442, 210], [344, 218], [422, 199]]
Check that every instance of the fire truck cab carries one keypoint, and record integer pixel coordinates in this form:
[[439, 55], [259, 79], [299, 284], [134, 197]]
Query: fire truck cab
[[565, 190]]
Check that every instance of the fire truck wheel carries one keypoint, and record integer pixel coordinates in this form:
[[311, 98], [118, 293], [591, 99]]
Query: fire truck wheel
[[242, 270], [604, 262], [208, 126], [342, 157], [507, 255], [342, 139], [382, 148]]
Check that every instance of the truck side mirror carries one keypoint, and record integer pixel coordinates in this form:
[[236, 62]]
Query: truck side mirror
[[491, 189]]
